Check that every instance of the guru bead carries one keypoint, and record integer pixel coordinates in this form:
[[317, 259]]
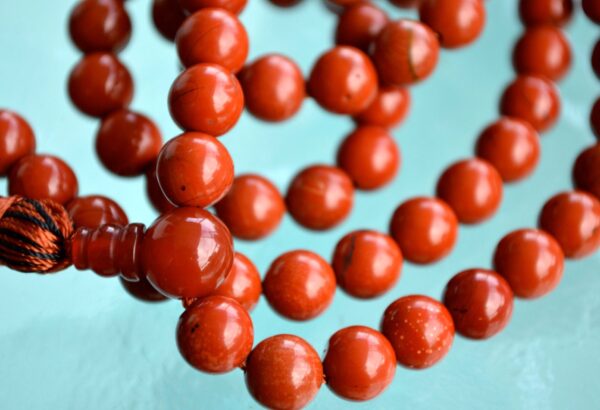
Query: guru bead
[[206, 98], [480, 302], [100, 25], [142, 290], [253, 207], [100, 84], [343, 80], [359, 24], [242, 283], [388, 109], [16, 139], [194, 169], [359, 364], [40, 176], [204, 250], [299, 285], [573, 218], [212, 35], [127, 142], [367, 263], [420, 330], [586, 171], [545, 12], [458, 22], [233, 6], [95, 210], [215, 334], [167, 16], [405, 52]]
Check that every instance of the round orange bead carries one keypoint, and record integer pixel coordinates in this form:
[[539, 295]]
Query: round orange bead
[[95, 210], [142, 290], [406, 4], [388, 109], [16, 140], [156, 196], [167, 16], [542, 12], [285, 3], [592, 10], [242, 283], [596, 59], [233, 6], [586, 171], [543, 51], [458, 22], [595, 118], [359, 24]]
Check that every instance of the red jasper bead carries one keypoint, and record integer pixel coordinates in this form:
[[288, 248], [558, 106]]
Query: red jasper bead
[[273, 87], [480, 302], [592, 10], [167, 16], [156, 196], [343, 80], [100, 25], [595, 118], [512, 146], [586, 171], [405, 52], [367, 263], [573, 218], [543, 12], [531, 261], [472, 188], [233, 6], [100, 84], [458, 22], [543, 51], [40, 176], [532, 99], [596, 59], [406, 4], [388, 109], [320, 197], [284, 372], [142, 290], [194, 169], [16, 139], [215, 334], [253, 207], [206, 98], [212, 36], [204, 250], [127, 142], [360, 363], [242, 283], [285, 3], [370, 156], [95, 210], [359, 24], [425, 229], [420, 330], [299, 285]]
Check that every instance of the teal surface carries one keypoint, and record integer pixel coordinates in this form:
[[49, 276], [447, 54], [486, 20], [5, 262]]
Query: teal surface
[[76, 341]]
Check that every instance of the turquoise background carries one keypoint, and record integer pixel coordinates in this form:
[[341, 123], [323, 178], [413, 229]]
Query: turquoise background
[[74, 340]]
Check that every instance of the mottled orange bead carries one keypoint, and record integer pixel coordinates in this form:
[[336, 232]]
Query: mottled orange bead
[[542, 12], [458, 22], [242, 283], [234, 6], [586, 171], [359, 24], [100, 25], [16, 140], [388, 109], [95, 210], [167, 16], [543, 51]]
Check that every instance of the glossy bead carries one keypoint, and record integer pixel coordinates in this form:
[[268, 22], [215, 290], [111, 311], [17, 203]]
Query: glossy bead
[[406, 4], [273, 87], [388, 109], [359, 24], [253, 207], [596, 59], [285, 3], [95, 210], [458, 22], [480, 302], [592, 10], [233, 6], [367, 263], [531, 261], [215, 334], [320, 197], [156, 196], [212, 36], [545, 12], [40, 176], [204, 250], [299, 285], [206, 98], [420, 330], [142, 290], [16, 139], [284, 372], [242, 283], [100, 84], [586, 171], [472, 188], [167, 16], [595, 118], [343, 81], [360, 363], [532, 99], [370, 157], [512, 146], [127, 142], [194, 169], [573, 218], [405, 52], [425, 229], [543, 51], [100, 25]]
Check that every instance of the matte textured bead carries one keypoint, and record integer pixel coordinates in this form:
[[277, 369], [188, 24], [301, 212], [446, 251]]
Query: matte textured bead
[[16, 139], [388, 109], [359, 24], [100, 25], [242, 283], [543, 51], [95, 210], [458, 22]]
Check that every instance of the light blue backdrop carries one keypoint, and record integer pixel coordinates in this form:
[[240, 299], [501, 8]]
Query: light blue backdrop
[[74, 340]]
